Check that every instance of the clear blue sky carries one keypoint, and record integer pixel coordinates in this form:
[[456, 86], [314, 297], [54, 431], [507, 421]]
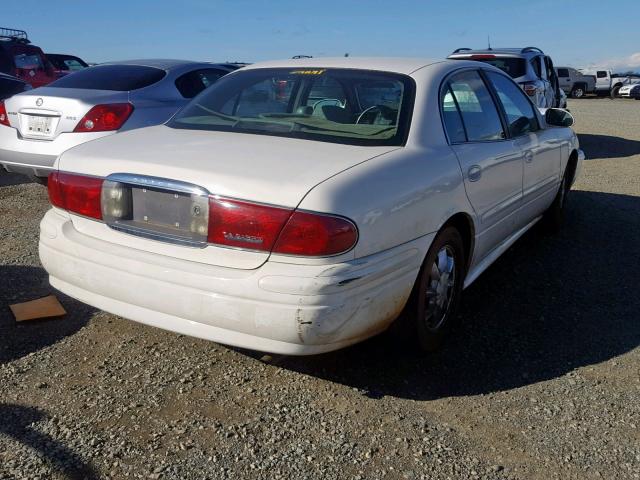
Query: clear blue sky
[[573, 33]]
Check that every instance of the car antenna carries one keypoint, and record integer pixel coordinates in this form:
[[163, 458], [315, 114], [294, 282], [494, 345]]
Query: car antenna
[[489, 41]]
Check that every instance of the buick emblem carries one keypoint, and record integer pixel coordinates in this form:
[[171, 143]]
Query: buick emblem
[[39, 102]]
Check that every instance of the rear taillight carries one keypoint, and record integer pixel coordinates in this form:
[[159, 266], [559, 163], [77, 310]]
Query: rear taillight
[[530, 89], [104, 118], [247, 225], [482, 57], [4, 118], [266, 228], [76, 193]]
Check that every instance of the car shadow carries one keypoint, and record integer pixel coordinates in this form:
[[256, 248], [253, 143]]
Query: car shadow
[[598, 147], [549, 305], [24, 283], [8, 179], [17, 423]]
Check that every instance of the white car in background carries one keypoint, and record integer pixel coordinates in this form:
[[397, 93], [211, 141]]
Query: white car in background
[[300, 206], [630, 91], [37, 126]]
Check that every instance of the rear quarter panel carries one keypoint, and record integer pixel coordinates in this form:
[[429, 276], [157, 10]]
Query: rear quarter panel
[[407, 193]]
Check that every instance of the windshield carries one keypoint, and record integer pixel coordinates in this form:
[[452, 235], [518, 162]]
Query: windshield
[[514, 67], [357, 107], [120, 78]]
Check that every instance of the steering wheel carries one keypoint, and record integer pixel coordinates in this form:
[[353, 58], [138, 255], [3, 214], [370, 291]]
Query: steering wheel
[[331, 101], [381, 109]]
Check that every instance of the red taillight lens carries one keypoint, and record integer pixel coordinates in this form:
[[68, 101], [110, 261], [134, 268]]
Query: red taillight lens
[[245, 225], [317, 235], [76, 193], [104, 118], [482, 57], [4, 118], [253, 226], [529, 89]]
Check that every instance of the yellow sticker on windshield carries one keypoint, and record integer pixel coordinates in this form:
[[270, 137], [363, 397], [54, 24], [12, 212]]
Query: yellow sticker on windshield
[[308, 72]]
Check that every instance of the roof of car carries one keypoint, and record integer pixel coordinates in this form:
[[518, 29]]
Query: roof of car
[[497, 51], [404, 65], [163, 63]]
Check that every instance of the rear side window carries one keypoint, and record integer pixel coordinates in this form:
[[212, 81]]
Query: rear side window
[[563, 72], [478, 111], [191, 84], [535, 63], [120, 78], [518, 109]]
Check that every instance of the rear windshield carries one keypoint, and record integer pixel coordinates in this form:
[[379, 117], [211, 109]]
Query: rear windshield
[[120, 78], [514, 67], [30, 61], [357, 107]]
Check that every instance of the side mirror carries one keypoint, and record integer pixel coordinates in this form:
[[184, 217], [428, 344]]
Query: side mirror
[[558, 117]]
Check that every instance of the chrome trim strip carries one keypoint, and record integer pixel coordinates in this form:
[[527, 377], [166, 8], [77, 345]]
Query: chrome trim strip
[[158, 182]]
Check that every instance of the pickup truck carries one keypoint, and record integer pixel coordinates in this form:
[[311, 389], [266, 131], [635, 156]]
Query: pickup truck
[[606, 82], [574, 83]]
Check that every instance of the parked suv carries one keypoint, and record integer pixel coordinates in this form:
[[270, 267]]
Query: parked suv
[[575, 83], [22, 60], [529, 67]]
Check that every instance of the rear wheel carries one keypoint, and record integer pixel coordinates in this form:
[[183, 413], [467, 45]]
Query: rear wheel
[[577, 92], [436, 294]]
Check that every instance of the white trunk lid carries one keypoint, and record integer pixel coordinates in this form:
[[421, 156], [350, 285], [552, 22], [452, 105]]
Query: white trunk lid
[[259, 168]]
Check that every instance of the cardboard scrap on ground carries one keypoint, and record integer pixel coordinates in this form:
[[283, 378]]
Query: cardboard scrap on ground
[[46, 307]]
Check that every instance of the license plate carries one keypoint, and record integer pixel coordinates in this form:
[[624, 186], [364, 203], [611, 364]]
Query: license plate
[[170, 216], [39, 125]]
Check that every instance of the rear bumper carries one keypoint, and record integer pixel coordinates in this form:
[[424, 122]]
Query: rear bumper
[[37, 157], [282, 308]]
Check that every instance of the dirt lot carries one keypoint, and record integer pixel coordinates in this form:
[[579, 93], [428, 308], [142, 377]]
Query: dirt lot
[[541, 381]]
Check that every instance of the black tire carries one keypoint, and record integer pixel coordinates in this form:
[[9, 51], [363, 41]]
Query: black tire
[[578, 91], [554, 216], [615, 91], [415, 325]]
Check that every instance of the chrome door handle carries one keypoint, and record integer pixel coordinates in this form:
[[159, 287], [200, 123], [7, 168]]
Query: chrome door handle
[[474, 173], [528, 157]]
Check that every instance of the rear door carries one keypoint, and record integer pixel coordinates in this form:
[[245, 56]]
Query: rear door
[[491, 164], [540, 148]]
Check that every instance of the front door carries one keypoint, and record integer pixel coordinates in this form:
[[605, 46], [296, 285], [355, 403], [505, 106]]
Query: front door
[[540, 148]]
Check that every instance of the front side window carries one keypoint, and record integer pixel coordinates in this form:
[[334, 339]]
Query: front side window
[[358, 107], [520, 114], [480, 118], [601, 74], [563, 72]]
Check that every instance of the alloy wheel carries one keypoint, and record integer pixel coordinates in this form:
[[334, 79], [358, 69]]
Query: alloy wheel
[[440, 288]]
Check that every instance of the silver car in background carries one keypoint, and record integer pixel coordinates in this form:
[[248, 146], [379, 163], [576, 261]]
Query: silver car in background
[[37, 126]]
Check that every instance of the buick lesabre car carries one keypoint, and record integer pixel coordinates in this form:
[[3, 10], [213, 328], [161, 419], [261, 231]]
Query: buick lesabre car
[[302, 206], [37, 126]]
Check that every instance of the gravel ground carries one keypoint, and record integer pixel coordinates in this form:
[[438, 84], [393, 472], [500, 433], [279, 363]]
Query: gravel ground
[[540, 381]]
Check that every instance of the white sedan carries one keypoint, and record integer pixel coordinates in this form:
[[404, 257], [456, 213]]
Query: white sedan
[[301, 206]]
